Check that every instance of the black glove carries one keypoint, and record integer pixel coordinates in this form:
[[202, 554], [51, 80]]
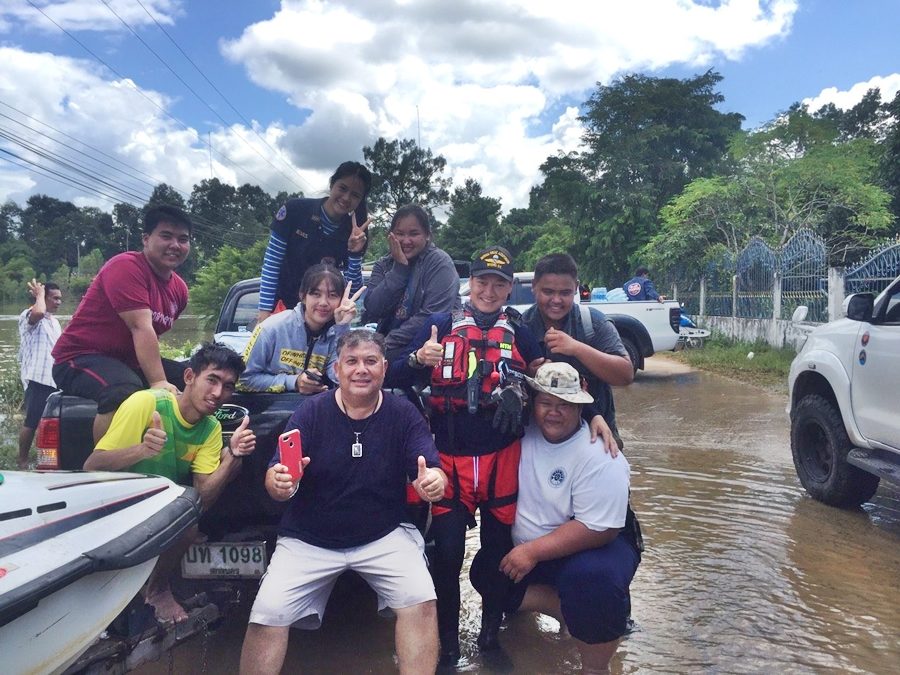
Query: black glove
[[508, 416]]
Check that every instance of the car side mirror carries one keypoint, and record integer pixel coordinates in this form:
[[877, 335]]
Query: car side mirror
[[858, 306]]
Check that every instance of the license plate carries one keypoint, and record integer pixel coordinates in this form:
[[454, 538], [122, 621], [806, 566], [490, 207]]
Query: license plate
[[225, 560]]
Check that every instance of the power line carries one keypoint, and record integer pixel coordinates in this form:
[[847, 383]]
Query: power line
[[247, 122], [20, 140], [135, 87], [191, 89], [156, 180], [106, 188], [213, 227]]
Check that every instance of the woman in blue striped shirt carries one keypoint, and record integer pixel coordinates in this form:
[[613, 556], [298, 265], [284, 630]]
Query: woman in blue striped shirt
[[306, 232]]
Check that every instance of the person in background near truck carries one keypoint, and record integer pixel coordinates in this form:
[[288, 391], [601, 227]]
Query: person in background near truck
[[347, 510], [415, 280], [639, 287], [296, 350], [578, 335], [577, 544], [155, 432], [476, 404], [309, 231], [110, 348], [38, 332]]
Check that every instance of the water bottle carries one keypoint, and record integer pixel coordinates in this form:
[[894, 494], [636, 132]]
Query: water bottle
[[598, 294]]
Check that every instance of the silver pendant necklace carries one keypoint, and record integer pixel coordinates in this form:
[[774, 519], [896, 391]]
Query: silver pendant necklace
[[356, 448]]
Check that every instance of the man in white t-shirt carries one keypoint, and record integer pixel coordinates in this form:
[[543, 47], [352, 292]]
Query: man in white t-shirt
[[569, 559]]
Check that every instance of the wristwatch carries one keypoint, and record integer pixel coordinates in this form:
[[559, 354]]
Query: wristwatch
[[413, 361]]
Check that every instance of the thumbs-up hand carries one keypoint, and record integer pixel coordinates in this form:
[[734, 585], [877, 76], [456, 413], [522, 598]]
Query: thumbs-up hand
[[243, 440], [154, 437], [430, 483], [431, 353]]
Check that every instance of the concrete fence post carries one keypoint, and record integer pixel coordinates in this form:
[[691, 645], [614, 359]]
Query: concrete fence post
[[835, 293], [775, 338], [776, 296], [702, 296], [734, 295]]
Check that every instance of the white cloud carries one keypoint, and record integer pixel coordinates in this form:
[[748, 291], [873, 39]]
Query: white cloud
[[491, 86], [78, 15], [475, 80], [49, 101], [888, 84]]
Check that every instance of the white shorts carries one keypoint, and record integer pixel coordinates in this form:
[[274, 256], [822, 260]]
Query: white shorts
[[300, 577]]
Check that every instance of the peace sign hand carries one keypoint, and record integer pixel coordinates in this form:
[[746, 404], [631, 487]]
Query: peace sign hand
[[357, 241], [347, 309]]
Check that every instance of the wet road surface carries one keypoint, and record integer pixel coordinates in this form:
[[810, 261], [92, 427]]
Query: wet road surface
[[743, 572]]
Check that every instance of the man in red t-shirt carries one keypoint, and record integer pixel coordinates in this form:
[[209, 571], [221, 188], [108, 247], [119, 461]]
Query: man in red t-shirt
[[110, 349]]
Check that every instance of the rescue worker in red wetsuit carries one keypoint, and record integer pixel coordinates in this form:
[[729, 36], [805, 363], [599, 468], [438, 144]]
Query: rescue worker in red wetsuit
[[476, 405]]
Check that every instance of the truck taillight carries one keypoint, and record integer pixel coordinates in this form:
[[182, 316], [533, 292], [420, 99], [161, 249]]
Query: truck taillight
[[675, 318], [48, 443]]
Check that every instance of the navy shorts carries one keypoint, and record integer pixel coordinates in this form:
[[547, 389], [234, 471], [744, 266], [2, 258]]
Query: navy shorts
[[108, 381], [593, 588], [35, 399]]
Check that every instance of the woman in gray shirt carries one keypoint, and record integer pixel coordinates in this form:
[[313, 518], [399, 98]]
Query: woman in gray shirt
[[414, 281]]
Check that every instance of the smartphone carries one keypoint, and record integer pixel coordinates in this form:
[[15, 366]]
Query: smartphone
[[291, 453], [314, 376]]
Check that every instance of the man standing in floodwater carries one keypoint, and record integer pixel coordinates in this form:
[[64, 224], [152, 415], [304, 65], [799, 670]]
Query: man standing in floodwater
[[38, 332]]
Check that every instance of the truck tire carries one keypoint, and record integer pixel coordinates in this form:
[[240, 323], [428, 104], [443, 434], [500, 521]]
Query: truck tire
[[819, 445], [633, 353]]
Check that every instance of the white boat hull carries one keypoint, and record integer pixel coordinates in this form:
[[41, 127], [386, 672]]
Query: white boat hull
[[75, 548]]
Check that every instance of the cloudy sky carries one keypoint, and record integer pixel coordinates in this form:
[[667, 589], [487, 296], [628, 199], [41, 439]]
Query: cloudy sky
[[102, 99]]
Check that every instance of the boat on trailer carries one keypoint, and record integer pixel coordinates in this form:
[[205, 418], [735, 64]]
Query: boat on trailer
[[75, 548]]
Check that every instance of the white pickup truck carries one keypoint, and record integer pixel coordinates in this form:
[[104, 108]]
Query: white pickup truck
[[844, 385], [646, 327]]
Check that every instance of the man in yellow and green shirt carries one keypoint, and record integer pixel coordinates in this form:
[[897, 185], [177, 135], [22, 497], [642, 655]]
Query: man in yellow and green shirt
[[156, 432]]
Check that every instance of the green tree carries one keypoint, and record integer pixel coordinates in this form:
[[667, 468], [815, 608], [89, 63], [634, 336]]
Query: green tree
[[794, 173], [229, 266], [645, 139], [15, 270], [128, 227], [403, 173], [889, 166], [10, 219], [50, 228], [164, 194], [473, 222]]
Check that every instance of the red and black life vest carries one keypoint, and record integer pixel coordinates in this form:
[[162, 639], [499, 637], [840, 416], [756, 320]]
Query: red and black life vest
[[471, 356]]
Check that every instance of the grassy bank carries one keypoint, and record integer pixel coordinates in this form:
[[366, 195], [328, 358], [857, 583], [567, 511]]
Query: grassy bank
[[768, 367], [11, 397]]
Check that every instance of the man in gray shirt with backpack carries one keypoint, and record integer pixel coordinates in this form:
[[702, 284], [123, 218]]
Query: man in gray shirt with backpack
[[578, 335]]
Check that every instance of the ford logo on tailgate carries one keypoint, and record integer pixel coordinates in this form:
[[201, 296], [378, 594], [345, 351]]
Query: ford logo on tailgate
[[230, 417]]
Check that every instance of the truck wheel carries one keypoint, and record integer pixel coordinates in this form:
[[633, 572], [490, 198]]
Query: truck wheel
[[633, 353], [819, 445]]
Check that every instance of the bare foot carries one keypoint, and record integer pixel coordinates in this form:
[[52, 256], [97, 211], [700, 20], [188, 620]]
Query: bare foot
[[166, 607]]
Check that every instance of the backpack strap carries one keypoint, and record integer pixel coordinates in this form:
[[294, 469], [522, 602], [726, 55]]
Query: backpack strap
[[587, 323]]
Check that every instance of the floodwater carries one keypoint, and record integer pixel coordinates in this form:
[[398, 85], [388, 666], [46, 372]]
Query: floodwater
[[743, 573]]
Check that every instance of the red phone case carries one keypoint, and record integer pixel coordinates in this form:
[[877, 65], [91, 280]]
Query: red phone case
[[291, 452]]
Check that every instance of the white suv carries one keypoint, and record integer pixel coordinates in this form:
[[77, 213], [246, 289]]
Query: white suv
[[845, 401]]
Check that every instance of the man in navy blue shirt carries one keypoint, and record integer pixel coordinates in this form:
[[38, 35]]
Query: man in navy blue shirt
[[639, 287], [348, 511]]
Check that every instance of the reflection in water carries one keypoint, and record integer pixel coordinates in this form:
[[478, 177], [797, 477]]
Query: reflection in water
[[743, 572]]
